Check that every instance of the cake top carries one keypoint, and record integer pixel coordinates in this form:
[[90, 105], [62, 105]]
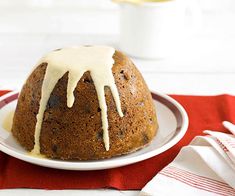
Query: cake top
[[77, 60], [98, 60]]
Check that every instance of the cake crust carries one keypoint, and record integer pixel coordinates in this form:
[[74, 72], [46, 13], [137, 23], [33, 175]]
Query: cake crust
[[76, 133]]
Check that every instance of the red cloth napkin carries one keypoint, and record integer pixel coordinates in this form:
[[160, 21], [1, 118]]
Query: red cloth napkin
[[205, 112]]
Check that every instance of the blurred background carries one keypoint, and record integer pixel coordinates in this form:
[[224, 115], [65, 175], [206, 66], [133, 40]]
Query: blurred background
[[30, 28]]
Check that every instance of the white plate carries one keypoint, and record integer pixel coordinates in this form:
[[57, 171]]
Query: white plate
[[172, 118]]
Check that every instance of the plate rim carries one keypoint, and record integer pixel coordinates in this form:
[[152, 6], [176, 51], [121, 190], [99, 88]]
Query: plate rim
[[108, 164]]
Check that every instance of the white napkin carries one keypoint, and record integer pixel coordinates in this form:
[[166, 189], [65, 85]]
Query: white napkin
[[205, 167]]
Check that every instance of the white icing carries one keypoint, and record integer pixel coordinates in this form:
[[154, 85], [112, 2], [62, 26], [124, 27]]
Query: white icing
[[7, 122], [76, 61]]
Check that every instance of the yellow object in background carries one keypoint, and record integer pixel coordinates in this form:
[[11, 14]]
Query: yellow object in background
[[139, 1]]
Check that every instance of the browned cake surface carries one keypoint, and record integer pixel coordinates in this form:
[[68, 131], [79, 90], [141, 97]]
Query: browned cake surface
[[76, 133]]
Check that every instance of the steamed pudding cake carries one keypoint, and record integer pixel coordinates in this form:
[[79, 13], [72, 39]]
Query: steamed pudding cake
[[84, 103]]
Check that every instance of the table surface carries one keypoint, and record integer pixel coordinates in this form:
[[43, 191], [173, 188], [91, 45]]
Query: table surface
[[203, 65]]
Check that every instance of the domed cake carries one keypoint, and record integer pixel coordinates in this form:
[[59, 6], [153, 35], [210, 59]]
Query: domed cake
[[84, 103]]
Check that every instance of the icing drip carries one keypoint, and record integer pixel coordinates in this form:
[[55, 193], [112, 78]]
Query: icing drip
[[7, 122], [76, 61]]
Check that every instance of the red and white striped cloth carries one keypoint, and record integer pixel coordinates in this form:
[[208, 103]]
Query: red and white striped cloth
[[205, 167]]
